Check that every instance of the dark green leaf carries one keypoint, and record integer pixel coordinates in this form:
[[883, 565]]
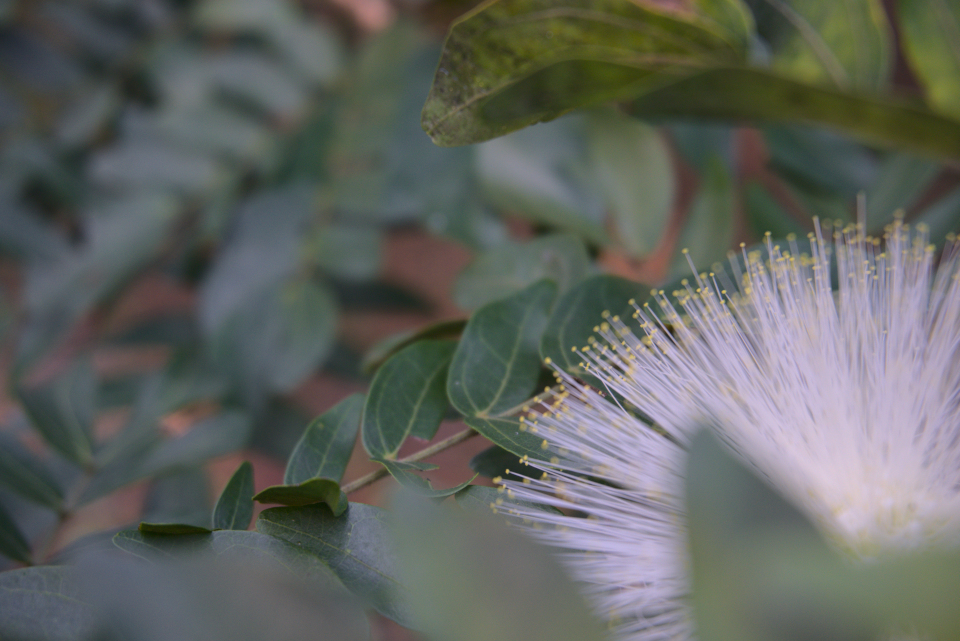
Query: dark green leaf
[[580, 310], [511, 267], [24, 473], [496, 462], [172, 529], [820, 160], [511, 435], [635, 170], [62, 411], [179, 497], [472, 579], [348, 252], [901, 179], [234, 508], [43, 603], [407, 396], [942, 217], [12, 542], [708, 233], [404, 473], [767, 215], [930, 35], [544, 174], [496, 365], [307, 493], [355, 546], [385, 349], [541, 48], [326, 444]]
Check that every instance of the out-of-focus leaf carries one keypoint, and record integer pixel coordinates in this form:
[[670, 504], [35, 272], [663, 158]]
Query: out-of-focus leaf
[[311, 48], [211, 437], [242, 15], [543, 174], [84, 119], [43, 603], [497, 363], [62, 410], [404, 473], [348, 251], [172, 529], [579, 311], [407, 396], [767, 215], [23, 234], [820, 159], [942, 217], [24, 473], [847, 45], [179, 498], [511, 267], [309, 492], [155, 165], [699, 142], [708, 233], [761, 570], [387, 348], [634, 168], [462, 567], [234, 508], [278, 428], [930, 35], [325, 447], [355, 545], [541, 51], [511, 435], [13, 544], [901, 179], [86, 32], [36, 63], [259, 81]]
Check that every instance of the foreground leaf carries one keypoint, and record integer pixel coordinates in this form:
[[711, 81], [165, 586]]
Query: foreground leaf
[[404, 473], [43, 603], [313, 491], [355, 546], [325, 447], [172, 529], [511, 435]]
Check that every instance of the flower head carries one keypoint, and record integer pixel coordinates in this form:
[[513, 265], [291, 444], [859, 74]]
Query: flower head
[[834, 373]]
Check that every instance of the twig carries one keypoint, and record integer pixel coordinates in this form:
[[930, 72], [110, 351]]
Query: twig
[[439, 446]]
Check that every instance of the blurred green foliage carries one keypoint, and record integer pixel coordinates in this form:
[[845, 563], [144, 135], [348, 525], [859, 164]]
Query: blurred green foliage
[[257, 153]]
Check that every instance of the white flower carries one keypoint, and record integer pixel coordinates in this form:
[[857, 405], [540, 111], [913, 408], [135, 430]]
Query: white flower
[[846, 398]]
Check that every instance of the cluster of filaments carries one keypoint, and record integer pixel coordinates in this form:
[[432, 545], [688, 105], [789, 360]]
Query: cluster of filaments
[[835, 373]]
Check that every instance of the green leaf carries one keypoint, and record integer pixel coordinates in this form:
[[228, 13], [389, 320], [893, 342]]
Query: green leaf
[[348, 251], [511, 267], [234, 508], [767, 215], [708, 234], [543, 174], [43, 603], [511, 435], [496, 461], [580, 310], [12, 542], [385, 349], [24, 473], [472, 579], [847, 44], [307, 493], [404, 473], [62, 411], [931, 32], [407, 396], [496, 365], [557, 58], [820, 160], [942, 217], [901, 179], [355, 546], [326, 444], [634, 167], [172, 529]]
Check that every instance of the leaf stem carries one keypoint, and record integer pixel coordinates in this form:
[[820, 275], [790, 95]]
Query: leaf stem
[[426, 452]]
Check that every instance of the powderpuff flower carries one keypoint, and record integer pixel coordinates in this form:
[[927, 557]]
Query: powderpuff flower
[[834, 373]]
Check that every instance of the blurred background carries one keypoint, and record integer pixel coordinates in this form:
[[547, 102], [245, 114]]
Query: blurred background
[[216, 216]]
